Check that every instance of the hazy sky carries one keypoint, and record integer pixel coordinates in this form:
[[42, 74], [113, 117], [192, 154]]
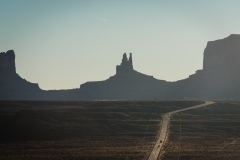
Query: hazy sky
[[61, 44]]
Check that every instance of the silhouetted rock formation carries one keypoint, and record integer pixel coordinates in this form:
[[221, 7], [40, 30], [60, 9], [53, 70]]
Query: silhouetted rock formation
[[126, 84], [223, 55], [219, 79], [126, 66], [12, 86], [7, 62]]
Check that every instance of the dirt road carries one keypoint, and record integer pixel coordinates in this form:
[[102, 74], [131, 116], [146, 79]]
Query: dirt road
[[163, 134]]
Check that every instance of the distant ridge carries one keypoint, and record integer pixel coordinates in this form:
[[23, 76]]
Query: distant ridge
[[219, 79]]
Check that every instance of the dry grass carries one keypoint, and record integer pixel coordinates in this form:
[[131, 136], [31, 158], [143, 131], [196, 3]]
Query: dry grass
[[210, 133], [82, 130]]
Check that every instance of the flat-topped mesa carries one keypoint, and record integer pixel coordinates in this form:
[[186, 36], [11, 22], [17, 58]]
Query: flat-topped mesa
[[126, 66], [223, 55], [7, 62]]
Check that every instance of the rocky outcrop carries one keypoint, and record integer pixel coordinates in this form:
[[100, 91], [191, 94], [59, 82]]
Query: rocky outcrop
[[222, 55], [125, 84], [12, 86], [126, 66], [7, 63], [220, 76], [219, 79]]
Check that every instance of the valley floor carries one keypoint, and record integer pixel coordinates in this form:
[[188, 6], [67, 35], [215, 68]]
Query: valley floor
[[82, 130], [209, 133]]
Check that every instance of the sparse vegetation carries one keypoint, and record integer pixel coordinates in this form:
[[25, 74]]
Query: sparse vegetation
[[208, 133], [81, 130]]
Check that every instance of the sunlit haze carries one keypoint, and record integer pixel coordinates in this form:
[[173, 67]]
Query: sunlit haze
[[61, 44]]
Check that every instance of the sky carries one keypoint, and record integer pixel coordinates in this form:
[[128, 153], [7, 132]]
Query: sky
[[61, 44]]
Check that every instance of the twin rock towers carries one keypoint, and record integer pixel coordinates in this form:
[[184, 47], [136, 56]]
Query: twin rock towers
[[126, 65]]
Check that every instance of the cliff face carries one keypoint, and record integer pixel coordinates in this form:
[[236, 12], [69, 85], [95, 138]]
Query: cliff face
[[220, 76], [223, 55], [12, 86], [7, 62]]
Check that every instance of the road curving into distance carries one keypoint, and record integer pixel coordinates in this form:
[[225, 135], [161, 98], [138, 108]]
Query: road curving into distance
[[165, 123]]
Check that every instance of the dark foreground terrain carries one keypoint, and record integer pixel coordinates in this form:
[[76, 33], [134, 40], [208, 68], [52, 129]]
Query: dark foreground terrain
[[82, 130], [208, 133]]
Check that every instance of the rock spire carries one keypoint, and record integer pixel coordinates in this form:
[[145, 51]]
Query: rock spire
[[126, 65]]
